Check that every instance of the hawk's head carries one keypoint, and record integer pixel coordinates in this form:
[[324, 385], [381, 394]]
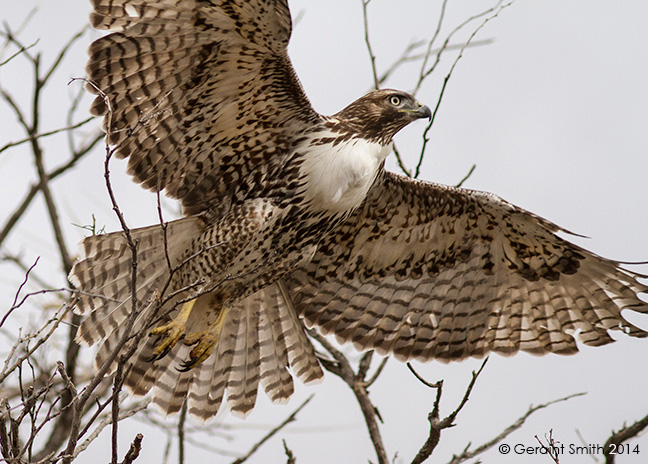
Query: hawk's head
[[379, 115]]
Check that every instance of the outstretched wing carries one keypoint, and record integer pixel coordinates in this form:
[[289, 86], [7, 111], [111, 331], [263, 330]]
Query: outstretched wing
[[427, 271], [200, 95]]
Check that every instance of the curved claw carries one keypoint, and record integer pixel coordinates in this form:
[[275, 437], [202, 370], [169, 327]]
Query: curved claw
[[171, 332], [203, 349], [186, 366], [157, 356], [205, 341]]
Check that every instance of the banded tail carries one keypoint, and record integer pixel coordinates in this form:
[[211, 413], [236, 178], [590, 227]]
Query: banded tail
[[262, 336]]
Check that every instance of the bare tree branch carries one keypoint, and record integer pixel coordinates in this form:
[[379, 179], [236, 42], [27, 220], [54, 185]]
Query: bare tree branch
[[551, 449], [118, 380], [470, 454], [54, 322], [11, 38], [465, 178], [497, 9], [407, 57], [80, 401], [372, 56], [107, 420], [46, 134], [612, 446], [21, 50], [271, 433], [436, 424], [35, 188], [342, 368], [134, 449]]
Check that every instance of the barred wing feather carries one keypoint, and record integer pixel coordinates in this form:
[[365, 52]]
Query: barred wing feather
[[197, 94], [426, 271]]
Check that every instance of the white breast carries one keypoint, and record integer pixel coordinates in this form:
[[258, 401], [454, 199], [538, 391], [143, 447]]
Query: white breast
[[339, 176]]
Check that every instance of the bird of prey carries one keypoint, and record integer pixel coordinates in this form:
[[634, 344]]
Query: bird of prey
[[290, 217]]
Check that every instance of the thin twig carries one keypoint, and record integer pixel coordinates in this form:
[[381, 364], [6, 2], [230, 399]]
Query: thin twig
[[428, 53], [64, 50], [468, 454], [20, 287], [372, 56], [465, 178], [550, 448], [422, 380], [497, 8], [46, 134], [436, 424], [378, 371], [11, 38], [21, 50], [17, 260], [181, 433], [272, 432], [289, 454], [401, 162]]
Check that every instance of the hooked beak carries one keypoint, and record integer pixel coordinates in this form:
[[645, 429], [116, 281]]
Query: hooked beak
[[422, 111]]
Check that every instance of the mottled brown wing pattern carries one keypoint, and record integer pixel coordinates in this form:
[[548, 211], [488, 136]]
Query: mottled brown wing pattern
[[426, 271], [200, 96]]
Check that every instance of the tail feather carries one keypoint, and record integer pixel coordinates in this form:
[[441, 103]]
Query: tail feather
[[142, 373], [262, 339], [111, 342], [243, 378], [100, 323], [259, 342], [203, 402], [103, 277], [214, 391], [171, 384], [274, 376], [301, 354]]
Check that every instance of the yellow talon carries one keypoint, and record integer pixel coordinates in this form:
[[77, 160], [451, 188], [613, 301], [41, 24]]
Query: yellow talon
[[205, 341], [172, 331]]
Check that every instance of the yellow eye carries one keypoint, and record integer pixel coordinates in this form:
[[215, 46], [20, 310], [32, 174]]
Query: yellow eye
[[395, 100]]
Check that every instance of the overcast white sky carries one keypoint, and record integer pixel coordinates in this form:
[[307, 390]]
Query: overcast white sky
[[554, 113]]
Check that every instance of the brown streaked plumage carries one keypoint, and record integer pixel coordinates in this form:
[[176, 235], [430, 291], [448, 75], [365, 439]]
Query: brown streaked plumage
[[291, 214], [426, 271]]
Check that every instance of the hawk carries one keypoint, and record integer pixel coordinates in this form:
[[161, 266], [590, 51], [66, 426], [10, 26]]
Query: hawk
[[290, 217]]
